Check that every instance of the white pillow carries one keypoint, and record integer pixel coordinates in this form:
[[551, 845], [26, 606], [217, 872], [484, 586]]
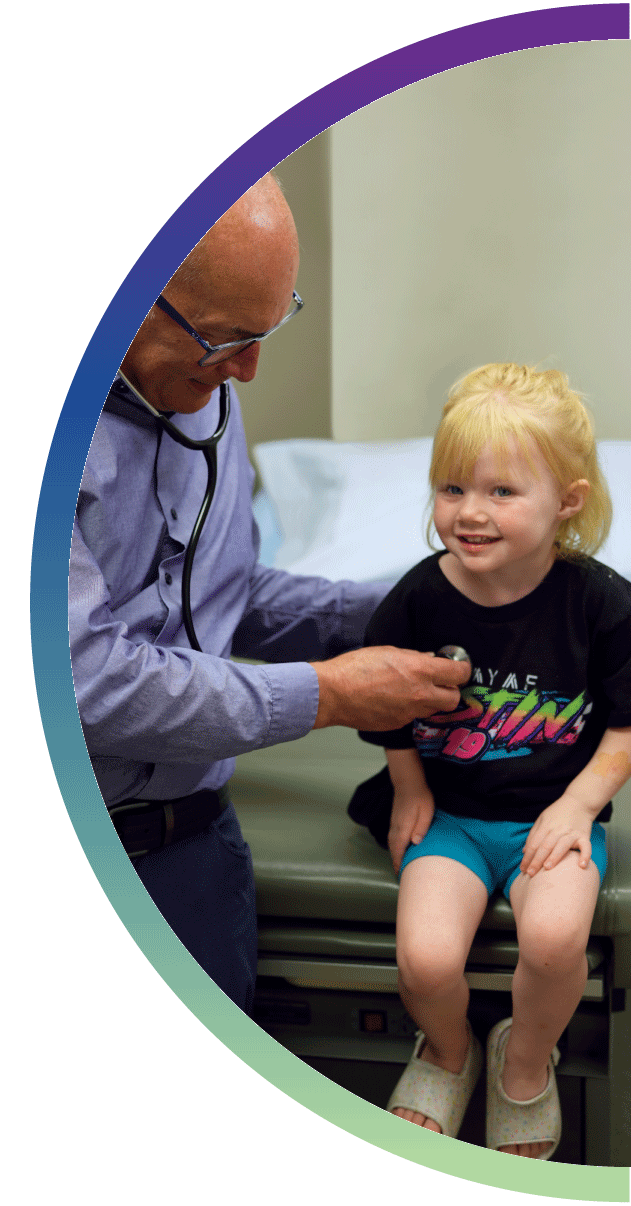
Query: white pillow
[[615, 461], [348, 510], [359, 510]]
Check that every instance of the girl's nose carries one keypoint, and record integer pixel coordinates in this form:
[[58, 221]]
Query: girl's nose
[[472, 508]]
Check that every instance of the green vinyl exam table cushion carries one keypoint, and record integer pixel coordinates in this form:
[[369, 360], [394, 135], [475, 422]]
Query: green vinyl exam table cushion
[[312, 861]]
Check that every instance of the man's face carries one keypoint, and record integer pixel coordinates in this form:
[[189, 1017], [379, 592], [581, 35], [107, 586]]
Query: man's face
[[163, 360]]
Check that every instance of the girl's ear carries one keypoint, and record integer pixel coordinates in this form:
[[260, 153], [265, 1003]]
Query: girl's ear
[[573, 499]]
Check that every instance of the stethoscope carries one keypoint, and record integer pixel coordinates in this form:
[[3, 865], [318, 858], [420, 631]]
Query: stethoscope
[[209, 449]]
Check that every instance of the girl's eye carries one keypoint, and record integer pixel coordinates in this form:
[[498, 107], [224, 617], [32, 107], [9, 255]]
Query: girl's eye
[[449, 489], [503, 491]]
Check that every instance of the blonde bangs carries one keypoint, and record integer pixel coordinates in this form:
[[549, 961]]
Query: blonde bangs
[[503, 404], [472, 425]]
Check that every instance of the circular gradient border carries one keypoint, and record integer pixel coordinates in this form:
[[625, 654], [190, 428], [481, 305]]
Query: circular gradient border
[[49, 602]]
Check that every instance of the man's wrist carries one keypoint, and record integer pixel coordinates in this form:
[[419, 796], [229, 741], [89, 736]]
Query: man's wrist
[[326, 714]]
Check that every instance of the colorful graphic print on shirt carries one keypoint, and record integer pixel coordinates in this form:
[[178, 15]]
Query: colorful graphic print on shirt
[[508, 720]]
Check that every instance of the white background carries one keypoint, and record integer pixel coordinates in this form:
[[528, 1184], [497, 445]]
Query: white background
[[114, 113]]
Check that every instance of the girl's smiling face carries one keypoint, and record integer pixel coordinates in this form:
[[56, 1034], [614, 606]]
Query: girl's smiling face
[[500, 523]]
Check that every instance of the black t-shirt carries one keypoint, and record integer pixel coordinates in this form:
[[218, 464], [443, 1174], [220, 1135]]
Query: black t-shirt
[[551, 672]]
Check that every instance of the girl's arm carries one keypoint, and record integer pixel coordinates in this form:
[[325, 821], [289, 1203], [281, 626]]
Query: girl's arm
[[567, 824], [413, 804]]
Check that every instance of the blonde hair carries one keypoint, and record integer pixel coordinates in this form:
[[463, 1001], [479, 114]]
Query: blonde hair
[[500, 402]]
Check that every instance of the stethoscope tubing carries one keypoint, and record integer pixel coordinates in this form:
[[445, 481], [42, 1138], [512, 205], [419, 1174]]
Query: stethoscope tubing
[[210, 456], [209, 448]]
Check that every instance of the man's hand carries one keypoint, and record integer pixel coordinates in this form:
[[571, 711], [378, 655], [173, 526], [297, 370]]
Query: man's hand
[[411, 818], [564, 825], [385, 688]]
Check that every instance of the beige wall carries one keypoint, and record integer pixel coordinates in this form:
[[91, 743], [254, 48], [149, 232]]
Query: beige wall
[[291, 394], [480, 215]]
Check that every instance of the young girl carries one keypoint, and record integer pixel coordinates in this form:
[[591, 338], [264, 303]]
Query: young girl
[[509, 790]]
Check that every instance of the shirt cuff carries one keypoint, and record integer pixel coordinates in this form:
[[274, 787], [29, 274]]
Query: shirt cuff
[[294, 695]]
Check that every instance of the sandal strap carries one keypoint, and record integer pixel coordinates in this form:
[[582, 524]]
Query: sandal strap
[[439, 1095], [537, 1120]]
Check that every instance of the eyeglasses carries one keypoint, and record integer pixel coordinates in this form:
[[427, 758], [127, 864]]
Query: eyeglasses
[[214, 353]]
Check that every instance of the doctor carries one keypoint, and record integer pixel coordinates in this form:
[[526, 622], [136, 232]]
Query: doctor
[[164, 722]]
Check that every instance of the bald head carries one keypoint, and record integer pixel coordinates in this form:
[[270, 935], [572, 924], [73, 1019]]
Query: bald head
[[257, 233], [235, 284]]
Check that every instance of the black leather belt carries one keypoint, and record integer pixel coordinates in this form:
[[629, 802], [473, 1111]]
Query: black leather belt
[[147, 825]]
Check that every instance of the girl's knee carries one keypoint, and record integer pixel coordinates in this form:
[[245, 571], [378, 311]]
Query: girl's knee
[[430, 971], [549, 948]]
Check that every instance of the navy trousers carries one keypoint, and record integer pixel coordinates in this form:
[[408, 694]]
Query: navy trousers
[[204, 888]]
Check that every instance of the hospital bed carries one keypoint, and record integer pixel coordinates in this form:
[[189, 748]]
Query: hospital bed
[[326, 891]]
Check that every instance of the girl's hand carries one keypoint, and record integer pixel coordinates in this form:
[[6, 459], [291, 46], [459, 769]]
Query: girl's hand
[[564, 825], [411, 818]]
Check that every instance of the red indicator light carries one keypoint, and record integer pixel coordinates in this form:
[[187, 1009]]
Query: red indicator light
[[373, 1020]]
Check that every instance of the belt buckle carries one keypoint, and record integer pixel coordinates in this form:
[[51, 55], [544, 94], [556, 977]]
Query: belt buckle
[[139, 806]]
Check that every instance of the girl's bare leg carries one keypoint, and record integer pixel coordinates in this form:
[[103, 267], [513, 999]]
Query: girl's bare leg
[[441, 903], [553, 912]]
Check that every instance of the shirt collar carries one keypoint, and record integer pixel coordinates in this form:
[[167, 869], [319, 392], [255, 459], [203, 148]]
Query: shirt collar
[[122, 401]]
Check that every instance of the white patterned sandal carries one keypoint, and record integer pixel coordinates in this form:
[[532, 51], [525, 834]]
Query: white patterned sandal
[[537, 1120], [439, 1095]]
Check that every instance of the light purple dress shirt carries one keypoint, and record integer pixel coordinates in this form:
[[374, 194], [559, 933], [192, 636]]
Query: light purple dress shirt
[[161, 720]]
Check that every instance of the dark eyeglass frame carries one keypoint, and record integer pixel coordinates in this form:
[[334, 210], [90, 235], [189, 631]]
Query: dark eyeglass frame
[[237, 345]]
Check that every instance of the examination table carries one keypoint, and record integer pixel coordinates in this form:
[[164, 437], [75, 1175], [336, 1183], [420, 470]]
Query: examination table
[[327, 991]]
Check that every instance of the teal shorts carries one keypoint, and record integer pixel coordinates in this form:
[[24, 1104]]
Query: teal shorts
[[493, 850]]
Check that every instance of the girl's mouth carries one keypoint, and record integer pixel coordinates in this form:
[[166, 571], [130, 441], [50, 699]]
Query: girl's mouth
[[478, 540]]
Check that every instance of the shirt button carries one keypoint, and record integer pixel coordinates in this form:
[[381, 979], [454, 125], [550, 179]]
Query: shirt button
[[168, 579], [173, 513]]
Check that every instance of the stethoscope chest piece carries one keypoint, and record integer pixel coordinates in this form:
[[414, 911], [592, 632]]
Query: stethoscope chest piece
[[455, 653]]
